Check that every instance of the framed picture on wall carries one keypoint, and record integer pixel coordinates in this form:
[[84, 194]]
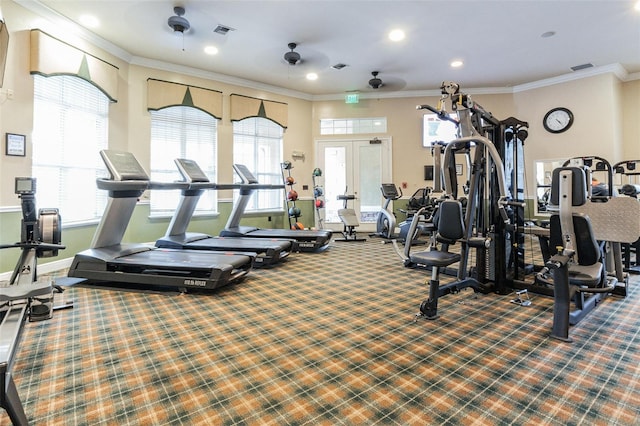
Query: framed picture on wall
[[428, 172], [16, 145]]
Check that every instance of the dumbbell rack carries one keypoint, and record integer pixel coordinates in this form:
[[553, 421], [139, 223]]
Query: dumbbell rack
[[290, 202], [318, 200]]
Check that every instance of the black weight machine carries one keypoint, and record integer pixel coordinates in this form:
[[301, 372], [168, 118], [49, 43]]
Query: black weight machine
[[485, 224], [578, 228], [25, 296]]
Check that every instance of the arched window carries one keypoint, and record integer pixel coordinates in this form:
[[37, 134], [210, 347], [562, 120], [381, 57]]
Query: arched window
[[257, 143], [70, 127]]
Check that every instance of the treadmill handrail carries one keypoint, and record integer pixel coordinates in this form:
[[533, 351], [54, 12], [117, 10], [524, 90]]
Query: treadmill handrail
[[253, 186], [164, 186], [122, 185]]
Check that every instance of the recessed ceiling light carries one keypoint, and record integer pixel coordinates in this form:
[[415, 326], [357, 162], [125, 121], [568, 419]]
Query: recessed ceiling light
[[89, 21], [396, 35], [211, 50], [456, 64], [637, 6], [312, 76], [548, 34]]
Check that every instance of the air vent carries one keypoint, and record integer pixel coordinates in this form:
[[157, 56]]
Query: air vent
[[222, 29], [581, 67], [338, 66]]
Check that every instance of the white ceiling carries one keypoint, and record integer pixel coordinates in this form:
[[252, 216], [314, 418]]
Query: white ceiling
[[499, 41]]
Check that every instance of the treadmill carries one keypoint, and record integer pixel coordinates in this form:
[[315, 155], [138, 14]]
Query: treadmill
[[268, 251], [308, 241], [111, 262]]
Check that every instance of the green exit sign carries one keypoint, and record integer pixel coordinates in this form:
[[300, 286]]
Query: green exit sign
[[351, 98]]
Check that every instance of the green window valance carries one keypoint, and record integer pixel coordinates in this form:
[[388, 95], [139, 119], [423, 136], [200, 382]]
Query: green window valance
[[50, 56], [245, 106], [163, 94]]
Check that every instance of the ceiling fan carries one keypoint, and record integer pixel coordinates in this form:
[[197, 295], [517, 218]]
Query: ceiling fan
[[375, 82], [177, 22], [390, 83], [292, 58]]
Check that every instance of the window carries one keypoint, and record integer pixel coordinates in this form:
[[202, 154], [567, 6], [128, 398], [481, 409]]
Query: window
[[257, 143], [351, 126], [70, 127], [182, 132]]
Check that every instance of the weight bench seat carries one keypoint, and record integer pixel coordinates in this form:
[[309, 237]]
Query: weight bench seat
[[348, 217], [435, 258], [586, 275]]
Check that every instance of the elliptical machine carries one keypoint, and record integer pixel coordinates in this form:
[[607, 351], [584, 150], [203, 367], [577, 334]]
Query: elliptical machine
[[386, 221]]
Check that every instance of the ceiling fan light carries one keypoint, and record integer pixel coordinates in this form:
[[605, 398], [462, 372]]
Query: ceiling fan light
[[177, 22], [375, 83], [292, 58]]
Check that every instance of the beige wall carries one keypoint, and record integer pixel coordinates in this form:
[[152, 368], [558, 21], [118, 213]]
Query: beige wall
[[404, 126], [596, 130]]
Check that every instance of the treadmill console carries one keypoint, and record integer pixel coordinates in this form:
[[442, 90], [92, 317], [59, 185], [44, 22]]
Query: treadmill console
[[245, 174], [123, 165], [190, 170]]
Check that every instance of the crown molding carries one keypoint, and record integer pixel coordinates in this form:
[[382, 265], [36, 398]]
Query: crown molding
[[616, 69]]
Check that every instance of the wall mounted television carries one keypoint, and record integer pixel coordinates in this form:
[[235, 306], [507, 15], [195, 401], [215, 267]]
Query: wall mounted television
[[437, 130]]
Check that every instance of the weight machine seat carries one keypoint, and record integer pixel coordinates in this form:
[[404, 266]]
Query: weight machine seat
[[348, 217], [435, 258], [588, 269], [450, 229]]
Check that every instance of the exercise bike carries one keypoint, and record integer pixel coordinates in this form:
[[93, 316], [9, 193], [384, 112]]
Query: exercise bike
[[25, 296], [386, 220]]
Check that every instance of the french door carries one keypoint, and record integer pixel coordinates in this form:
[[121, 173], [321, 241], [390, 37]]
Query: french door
[[354, 167]]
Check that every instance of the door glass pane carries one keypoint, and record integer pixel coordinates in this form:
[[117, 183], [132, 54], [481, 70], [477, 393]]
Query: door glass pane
[[335, 181], [370, 166]]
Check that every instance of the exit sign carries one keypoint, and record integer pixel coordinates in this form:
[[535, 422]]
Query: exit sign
[[351, 98]]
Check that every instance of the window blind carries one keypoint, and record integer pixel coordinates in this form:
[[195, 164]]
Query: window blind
[[182, 132], [70, 127], [257, 143]]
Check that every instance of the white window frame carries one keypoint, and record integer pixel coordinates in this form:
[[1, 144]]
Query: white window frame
[[258, 144], [353, 126], [70, 127], [182, 132]]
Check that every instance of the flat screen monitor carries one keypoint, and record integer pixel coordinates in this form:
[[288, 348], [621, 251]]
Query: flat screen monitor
[[436, 130]]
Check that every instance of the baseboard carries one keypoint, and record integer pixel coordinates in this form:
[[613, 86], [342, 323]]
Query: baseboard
[[44, 268]]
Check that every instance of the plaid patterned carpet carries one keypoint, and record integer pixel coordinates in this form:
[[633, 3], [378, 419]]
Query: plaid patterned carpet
[[327, 339]]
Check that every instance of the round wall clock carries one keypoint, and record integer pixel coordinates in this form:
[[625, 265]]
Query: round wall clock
[[557, 120]]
